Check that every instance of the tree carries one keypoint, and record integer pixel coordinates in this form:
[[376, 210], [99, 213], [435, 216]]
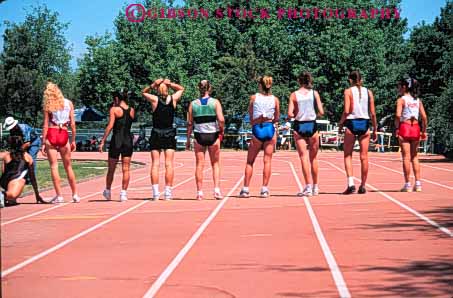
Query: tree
[[34, 51]]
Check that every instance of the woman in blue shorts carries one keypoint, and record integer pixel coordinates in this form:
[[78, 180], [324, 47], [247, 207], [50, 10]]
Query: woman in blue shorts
[[264, 111], [358, 110], [304, 105]]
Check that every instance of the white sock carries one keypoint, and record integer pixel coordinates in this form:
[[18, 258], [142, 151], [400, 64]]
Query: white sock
[[418, 183], [246, 189], [407, 184], [315, 186], [216, 189], [350, 181], [308, 186], [155, 188], [264, 188], [200, 192], [123, 191]]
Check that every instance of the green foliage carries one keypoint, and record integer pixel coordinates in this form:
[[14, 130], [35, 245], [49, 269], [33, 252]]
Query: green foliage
[[34, 51]]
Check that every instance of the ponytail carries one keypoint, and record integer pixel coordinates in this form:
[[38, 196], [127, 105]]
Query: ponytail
[[305, 79], [204, 86], [266, 84], [356, 80], [412, 86]]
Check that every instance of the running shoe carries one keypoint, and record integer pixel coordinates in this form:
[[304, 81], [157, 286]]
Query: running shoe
[[57, 200], [244, 193], [406, 188], [168, 195], [200, 197], [362, 190], [218, 195], [264, 193], [306, 193], [417, 188], [156, 196], [315, 191], [107, 194], [123, 196], [76, 199], [2, 199], [349, 190]]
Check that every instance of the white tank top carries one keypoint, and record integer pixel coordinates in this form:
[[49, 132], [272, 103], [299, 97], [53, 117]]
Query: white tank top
[[360, 103], [411, 108], [263, 105], [306, 106], [61, 117]]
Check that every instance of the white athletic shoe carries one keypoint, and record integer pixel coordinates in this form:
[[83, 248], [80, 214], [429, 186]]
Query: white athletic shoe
[[315, 191], [57, 200], [264, 192], [2, 199], [168, 194], [76, 199], [156, 196], [123, 196], [308, 192], [107, 194], [218, 195]]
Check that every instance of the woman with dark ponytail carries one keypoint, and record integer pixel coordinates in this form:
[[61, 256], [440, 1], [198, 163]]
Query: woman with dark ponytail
[[120, 121], [264, 112], [205, 118], [16, 164], [408, 109], [304, 105], [358, 110]]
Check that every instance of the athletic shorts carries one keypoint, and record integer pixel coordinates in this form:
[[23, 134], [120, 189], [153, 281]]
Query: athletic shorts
[[117, 148], [409, 132], [8, 177], [264, 131], [57, 137], [358, 127], [305, 129], [163, 139], [206, 139]]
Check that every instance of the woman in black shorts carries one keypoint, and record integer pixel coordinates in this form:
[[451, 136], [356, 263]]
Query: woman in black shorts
[[121, 118], [205, 118], [163, 135]]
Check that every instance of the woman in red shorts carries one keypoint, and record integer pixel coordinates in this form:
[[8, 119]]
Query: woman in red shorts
[[408, 109], [58, 115]]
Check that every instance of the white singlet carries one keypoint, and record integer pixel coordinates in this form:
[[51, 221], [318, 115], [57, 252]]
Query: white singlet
[[360, 104]]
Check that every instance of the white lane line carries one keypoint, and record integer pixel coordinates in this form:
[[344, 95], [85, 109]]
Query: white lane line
[[426, 180], [402, 205], [182, 253], [437, 168], [79, 235], [82, 198], [334, 269]]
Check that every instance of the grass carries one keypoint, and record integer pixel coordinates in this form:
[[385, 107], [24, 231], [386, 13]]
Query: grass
[[82, 169]]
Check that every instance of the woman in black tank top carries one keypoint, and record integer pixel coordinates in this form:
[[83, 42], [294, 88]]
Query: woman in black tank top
[[121, 118], [163, 134], [16, 164]]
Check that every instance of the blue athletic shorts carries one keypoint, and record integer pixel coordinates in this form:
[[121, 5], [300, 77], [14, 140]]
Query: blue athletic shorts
[[264, 131]]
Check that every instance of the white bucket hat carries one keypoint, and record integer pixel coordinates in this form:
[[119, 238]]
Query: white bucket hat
[[9, 124]]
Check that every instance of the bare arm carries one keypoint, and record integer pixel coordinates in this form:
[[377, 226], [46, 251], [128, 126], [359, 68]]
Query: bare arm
[[252, 121], [220, 118], [319, 104], [291, 106], [399, 110], [108, 129], [45, 127], [373, 115], [347, 107], [189, 126], [424, 117], [178, 90], [73, 126], [277, 110]]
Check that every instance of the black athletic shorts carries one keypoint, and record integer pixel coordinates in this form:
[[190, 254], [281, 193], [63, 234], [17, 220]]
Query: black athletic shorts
[[163, 139], [206, 139], [120, 147]]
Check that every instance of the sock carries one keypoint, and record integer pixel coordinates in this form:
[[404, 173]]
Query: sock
[[264, 188], [245, 188], [407, 184], [418, 183], [123, 191], [315, 186], [200, 192], [155, 188], [308, 186], [217, 190], [350, 181]]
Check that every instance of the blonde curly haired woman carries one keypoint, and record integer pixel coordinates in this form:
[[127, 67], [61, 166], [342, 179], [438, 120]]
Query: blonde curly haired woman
[[58, 115]]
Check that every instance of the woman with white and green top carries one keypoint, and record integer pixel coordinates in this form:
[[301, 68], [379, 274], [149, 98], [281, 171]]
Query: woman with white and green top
[[205, 118]]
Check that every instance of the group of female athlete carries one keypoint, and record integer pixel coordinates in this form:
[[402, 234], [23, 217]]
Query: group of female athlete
[[206, 121]]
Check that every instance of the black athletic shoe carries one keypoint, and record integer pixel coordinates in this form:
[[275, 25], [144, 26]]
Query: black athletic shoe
[[362, 190], [350, 190]]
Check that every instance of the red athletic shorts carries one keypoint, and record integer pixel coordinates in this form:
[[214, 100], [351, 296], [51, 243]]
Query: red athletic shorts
[[410, 132], [57, 137]]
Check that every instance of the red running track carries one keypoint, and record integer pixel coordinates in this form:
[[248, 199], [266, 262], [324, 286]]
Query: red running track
[[382, 244]]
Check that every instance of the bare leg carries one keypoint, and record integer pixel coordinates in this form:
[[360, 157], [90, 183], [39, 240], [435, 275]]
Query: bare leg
[[364, 142], [126, 172], [155, 157], [314, 148], [200, 152], [15, 188], [169, 171], [405, 153], [301, 145], [254, 149], [110, 173], [214, 155], [268, 151], [414, 159], [349, 140], [53, 162], [65, 153]]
